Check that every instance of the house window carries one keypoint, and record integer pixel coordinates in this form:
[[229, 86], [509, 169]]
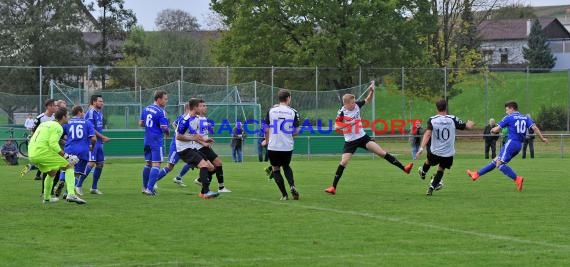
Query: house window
[[488, 56], [504, 58]]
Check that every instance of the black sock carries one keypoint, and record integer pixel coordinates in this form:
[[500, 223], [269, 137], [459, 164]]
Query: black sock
[[220, 174], [437, 178], [43, 175], [338, 174], [55, 180], [279, 181], [210, 174], [289, 175], [394, 161], [426, 167], [204, 180]]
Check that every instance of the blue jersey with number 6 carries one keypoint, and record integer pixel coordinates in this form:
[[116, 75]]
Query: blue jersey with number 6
[[79, 132], [155, 123], [517, 124]]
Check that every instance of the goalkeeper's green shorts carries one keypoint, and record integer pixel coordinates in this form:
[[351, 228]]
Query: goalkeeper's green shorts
[[49, 162]]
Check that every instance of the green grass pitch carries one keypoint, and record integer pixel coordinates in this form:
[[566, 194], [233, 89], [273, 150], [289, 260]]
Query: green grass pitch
[[379, 217]]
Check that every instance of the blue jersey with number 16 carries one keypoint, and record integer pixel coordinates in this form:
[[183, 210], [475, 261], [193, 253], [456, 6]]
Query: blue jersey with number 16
[[79, 132], [156, 124], [517, 124]]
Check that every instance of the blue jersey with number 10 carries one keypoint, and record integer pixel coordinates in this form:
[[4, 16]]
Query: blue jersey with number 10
[[517, 124], [155, 123], [79, 132]]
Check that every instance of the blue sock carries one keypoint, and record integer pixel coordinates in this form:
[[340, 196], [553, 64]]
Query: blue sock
[[489, 167], [84, 176], [163, 172], [62, 176], [508, 171], [152, 178], [96, 176], [145, 175], [183, 171]]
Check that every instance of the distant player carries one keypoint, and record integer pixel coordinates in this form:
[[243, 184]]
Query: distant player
[[81, 140], [348, 120], [173, 157], [97, 157], [207, 151], [46, 154], [187, 136], [517, 125], [441, 132], [153, 119], [282, 123]]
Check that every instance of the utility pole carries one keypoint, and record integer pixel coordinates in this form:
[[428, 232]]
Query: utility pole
[[103, 4]]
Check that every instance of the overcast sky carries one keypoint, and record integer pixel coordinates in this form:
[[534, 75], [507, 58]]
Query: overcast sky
[[146, 10]]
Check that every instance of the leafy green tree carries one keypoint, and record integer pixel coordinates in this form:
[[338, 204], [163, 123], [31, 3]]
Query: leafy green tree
[[160, 49], [453, 48], [538, 53], [345, 35], [114, 24], [176, 20], [552, 118], [39, 33]]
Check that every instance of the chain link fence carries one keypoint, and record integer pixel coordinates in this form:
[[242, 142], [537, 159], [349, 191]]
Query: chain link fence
[[241, 93]]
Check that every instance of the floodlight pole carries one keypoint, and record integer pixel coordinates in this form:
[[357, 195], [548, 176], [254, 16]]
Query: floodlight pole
[[316, 88], [568, 104], [486, 96], [403, 96], [41, 88], [272, 84]]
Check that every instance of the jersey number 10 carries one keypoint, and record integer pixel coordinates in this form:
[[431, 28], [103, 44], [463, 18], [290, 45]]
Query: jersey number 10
[[521, 126], [442, 135]]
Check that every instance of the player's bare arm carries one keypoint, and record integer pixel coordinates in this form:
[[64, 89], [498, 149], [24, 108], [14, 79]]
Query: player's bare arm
[[425, 140], [539, 133], [496, 129], [165, 130], [370, 96], [343, 122], [93, 141], [103, 138], [266, 137]]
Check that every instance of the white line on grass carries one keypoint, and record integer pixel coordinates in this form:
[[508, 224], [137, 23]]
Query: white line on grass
[[424, 225]]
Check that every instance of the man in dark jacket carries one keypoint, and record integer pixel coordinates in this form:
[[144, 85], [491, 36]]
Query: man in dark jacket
[[490, 139], [528, 142]]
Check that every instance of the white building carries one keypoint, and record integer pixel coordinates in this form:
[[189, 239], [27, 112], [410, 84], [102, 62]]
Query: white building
[[502, 41]]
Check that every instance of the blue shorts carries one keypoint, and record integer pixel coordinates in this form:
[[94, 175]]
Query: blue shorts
[[173, 157], [509, 150], [97, 155], [80, 166], [153, 154]]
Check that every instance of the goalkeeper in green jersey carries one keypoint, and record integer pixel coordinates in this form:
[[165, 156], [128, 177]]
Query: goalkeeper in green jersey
[[44, 151]]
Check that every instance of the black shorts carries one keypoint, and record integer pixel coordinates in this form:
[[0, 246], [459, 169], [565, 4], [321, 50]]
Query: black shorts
[[208, 153], [444, 162], [279, 158], [191, 156], [350, 147]]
